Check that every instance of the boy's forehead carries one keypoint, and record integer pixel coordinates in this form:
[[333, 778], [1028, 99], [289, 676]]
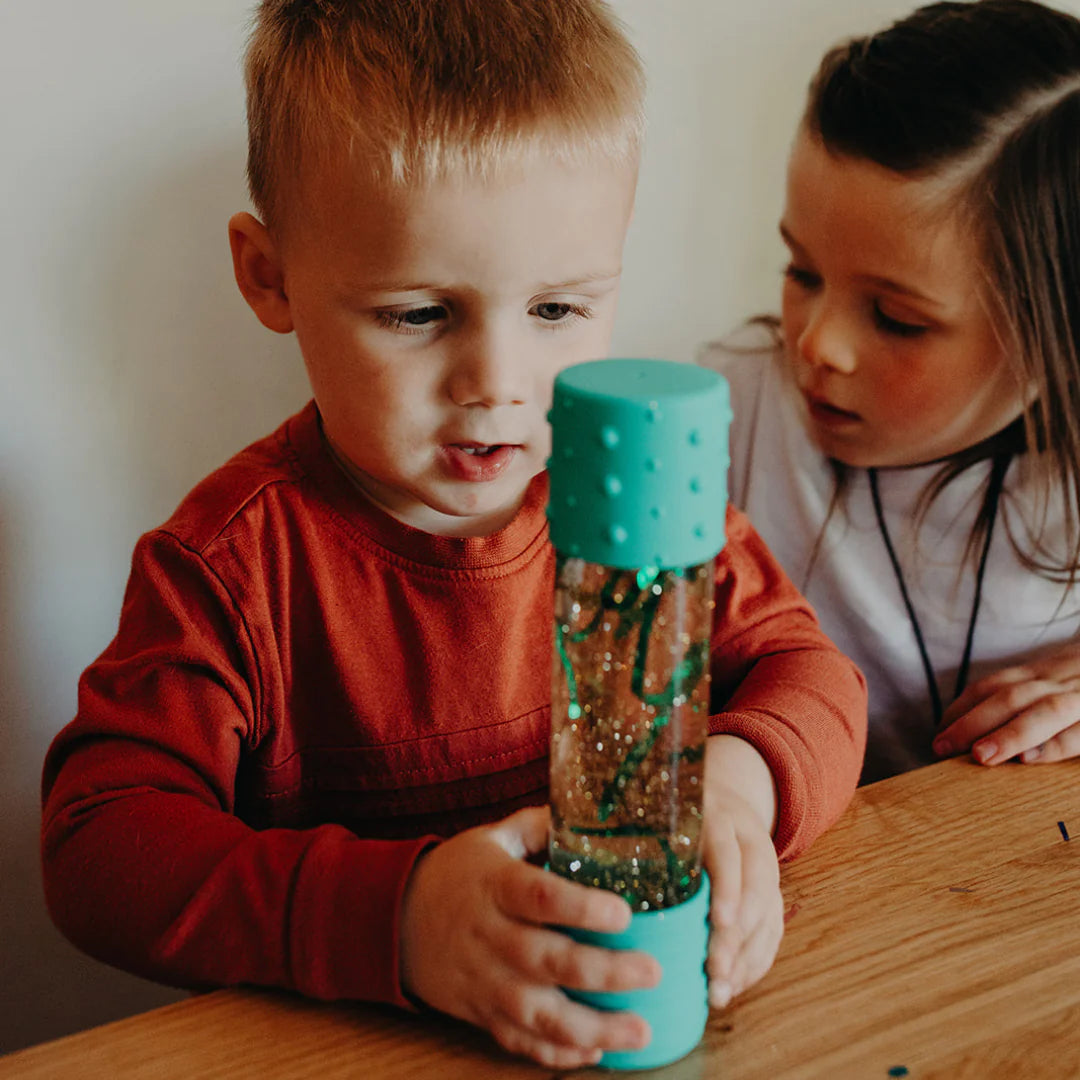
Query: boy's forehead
[[581, 209]]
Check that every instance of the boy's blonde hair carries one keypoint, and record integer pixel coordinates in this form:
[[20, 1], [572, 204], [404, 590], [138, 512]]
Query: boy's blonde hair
[[415, 90]]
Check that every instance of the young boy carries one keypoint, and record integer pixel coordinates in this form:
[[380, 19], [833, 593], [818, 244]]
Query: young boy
[[338, 651]]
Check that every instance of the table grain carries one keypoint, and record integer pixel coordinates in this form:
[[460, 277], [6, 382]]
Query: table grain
[[931, 933]]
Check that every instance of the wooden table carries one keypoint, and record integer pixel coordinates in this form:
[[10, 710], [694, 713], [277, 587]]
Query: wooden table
[[935, 930]]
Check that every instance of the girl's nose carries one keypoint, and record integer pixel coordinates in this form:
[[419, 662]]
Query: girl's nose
[[488, 367], [826, 341]]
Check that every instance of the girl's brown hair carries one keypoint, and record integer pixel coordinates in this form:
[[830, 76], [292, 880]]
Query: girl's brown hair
[[986, 96]]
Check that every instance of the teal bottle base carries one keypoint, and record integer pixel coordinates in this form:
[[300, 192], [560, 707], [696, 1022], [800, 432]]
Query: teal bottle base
[[677, 1009]]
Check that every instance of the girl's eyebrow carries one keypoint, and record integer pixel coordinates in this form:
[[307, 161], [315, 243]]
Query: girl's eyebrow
[[788, 239], [874, 279], [903, 290]]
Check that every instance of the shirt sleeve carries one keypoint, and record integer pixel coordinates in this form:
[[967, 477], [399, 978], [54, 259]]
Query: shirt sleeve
[[780, 683], [146, 865]]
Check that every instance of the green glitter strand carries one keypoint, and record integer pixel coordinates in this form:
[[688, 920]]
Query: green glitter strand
[[684, 678], [573, 710], [628, 766], [612, 832]]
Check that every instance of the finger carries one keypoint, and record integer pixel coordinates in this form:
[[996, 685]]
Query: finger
[[549, 956], [757, 954], [1039, 722], [761, 942], [525, 892], [524, 1043], [724, 861], [1060, 664], [1065, 744], [523, 833], [761, 915], [977, 692], [547, 1019], [725, 867], [1007, 702]]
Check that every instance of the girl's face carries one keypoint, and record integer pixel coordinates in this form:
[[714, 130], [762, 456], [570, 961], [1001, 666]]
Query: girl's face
[[883, 319]]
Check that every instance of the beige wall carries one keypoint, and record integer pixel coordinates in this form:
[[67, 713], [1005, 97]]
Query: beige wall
[[129, 366]]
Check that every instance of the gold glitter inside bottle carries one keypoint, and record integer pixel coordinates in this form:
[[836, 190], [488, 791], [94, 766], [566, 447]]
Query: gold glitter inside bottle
[[630, 703]]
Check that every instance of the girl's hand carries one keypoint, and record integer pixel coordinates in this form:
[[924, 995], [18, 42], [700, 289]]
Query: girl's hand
[[1030, 711], [477, 942], [747, 908]]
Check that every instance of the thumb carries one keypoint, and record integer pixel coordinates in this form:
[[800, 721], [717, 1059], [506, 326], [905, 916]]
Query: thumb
[[525, 832]]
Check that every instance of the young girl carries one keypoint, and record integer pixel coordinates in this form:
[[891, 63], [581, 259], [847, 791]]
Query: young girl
[[910, 450]]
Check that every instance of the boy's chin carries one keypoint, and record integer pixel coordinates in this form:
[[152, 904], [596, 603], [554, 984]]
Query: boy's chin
[[480, 517]]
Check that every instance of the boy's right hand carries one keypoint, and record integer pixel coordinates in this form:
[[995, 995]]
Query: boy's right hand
[[477, 942]]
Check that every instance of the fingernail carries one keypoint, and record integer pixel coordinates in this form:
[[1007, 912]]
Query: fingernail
[[984, 751], [942, 747], [1031, 755], [719, 994]]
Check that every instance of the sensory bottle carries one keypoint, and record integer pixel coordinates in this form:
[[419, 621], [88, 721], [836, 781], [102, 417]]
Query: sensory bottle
[[637, 505]]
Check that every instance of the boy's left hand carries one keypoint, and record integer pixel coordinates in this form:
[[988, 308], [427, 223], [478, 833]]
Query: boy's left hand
[[747, 908], [1030, 711]]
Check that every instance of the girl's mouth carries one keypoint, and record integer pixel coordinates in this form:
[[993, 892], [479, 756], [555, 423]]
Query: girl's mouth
[[824, 412]]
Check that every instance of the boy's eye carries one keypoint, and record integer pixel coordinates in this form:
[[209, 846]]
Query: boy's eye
[[554, 311], [806, 279], [412, 318], [896, 326]]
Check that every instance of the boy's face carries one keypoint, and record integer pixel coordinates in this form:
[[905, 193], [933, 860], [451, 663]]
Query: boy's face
[[434, 320]]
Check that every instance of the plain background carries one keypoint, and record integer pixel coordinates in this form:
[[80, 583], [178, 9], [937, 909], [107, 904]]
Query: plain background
[[130, 366]]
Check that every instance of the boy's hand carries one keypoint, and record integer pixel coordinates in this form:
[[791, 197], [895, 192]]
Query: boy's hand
[[1030, 711], [747, 908], [477, 943]]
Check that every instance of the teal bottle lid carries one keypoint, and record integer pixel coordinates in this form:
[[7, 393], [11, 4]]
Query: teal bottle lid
[[639, 462]]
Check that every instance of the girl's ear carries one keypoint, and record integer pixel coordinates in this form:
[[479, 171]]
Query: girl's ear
[[258, 271]]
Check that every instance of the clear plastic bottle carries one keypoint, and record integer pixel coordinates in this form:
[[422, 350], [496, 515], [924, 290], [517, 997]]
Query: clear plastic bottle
[[630, 700]]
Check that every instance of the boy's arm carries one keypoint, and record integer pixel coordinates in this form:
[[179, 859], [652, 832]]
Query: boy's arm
[[781, 685], [145, 865], [783, 759]]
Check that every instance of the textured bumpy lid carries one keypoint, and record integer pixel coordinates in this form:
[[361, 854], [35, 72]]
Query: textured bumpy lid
[[639, 463]]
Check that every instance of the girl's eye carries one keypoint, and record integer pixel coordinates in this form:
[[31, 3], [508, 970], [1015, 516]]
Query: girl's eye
[[805, 279], [895, 326], [412, 320], [555, 312]]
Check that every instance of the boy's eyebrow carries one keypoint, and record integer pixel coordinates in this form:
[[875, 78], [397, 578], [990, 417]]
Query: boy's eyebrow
[[883, 282], [403, 286], [599, 277]]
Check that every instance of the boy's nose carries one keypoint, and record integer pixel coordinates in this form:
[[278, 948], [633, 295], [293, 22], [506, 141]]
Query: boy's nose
[[826, 341], [489, 368]]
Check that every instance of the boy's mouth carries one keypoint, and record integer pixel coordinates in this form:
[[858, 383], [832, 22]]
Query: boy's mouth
[[478, 462]]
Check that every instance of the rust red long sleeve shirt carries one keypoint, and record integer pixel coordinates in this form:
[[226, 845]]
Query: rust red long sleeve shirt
[[303, 692]]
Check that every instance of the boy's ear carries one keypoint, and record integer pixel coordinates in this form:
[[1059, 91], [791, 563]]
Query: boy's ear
[[258, 271]]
